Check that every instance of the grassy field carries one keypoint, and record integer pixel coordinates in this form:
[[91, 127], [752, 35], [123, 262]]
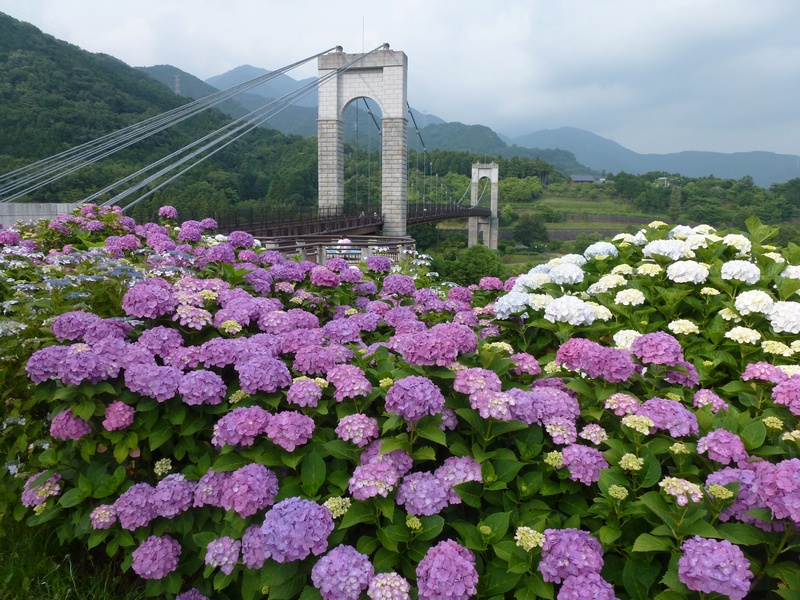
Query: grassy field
[[34, 566]]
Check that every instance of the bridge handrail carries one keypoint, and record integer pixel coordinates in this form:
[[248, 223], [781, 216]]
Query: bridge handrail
[[354, 249]]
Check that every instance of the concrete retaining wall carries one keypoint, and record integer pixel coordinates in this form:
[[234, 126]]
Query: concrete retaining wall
[[12, 212]]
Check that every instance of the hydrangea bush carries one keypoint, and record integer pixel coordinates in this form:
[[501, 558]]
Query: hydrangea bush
[[233, 424]]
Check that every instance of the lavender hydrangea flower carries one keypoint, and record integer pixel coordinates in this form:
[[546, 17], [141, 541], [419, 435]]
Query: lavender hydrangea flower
[[590, 585], [584, 463], [210, 488], [147, 300], [103, 517], [349, 381], [240, 426], [414, 397], [295, 528], [118, 416], [342, 574], [379, 264], [422, 494], [223, 553], [72, 325], [709, 398], [447, 571], [153, 381], [778, 486], [156, 557], [376, 478], [289, 429], [787, 392], [168, 212], [455, 470], [173, 495], [714, 566], [304, 392], [669, 415], [160, 340], [263, 373], [389, 586], [254, 543], [66, 426], [400, 285], [569, 552], [476, 379], [358, 428], [202, 387], [657, 348], [35, 495], [249, 489], [135, 506], [723, 447]]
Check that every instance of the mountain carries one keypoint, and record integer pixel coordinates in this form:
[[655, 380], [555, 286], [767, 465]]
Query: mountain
[[603, 154], [276, 87]]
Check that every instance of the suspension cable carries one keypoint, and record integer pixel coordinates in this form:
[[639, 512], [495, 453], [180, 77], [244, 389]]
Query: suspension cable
[[268, 112], [100, 148]]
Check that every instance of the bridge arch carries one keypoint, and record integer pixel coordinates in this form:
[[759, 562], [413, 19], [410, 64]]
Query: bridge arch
[[381, 76], [487, 226]]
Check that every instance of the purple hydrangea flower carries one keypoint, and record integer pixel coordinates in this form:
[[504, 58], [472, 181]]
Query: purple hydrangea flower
[[191, 231], [582, 587], [44, 364], [73, 325], [470, 381], [723, 447], [422, 494], [240, 426], [711, 566], [389, 586], [249, 489], [584, 463], [209, 489], [669, 415], [709, 398], [787, 392], [103, 517], [358, 428], [778, 485], [322, 277], [401, 285], [240, 239], [118, 416], [168, 212], [379, 264], [202, 387], [192, 594], [376, 478], [254, 544], [455, 470], [66, 426], [414, 397], [342, 574], [294, 528], [153, 381], [349, 381], [657, 348], [289, 429], [569, 552], [304, 392], [135, 506], [525, 363], [447, 571], [263, 373], [34, 495], [161, 340], [173, 495], [763, 371], [223, 553], [156, 557], [147, 300]]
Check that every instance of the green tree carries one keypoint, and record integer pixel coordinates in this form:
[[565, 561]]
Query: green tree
[[472, 264], [530, 229], [675, 201]]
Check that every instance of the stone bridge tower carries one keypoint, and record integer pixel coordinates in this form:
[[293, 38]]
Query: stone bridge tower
[[381, 76], [487, 226]]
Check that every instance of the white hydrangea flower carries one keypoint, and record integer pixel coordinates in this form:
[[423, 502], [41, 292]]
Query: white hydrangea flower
[[649, 269], [791, 272], [683, 327], [696, 241], [704, 229], [680, 232], [530, 281], [753, 301], [600, 312], [656, 224], [629, 297], [510, 304], [775, 257], [730, 315], [710, 291], [738, 241], [741, 270], [569, 309], [790, 369], [743, 335], [539, 301], [566, 273], [623, 269], [785, 316], [607, 282], [672, 249], [625, 238], [624, 338], [779, 348], [600, 250], [687, 271], [573, 259]]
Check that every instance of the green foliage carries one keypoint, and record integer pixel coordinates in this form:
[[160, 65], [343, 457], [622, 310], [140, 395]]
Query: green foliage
[[530, 230], [473, 263]]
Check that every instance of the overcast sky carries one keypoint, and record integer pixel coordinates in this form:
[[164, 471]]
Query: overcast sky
[[653, 75]]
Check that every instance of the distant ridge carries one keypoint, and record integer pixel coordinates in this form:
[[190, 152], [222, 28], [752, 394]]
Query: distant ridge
[[601, 154]]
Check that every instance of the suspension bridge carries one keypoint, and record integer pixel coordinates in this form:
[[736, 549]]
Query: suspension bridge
[[379, 75]]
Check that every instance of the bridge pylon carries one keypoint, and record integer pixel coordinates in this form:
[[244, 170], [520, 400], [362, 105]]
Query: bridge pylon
[[487, 227], [381, 76]]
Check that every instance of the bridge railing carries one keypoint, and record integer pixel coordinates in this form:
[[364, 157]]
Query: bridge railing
[[321, 248]]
